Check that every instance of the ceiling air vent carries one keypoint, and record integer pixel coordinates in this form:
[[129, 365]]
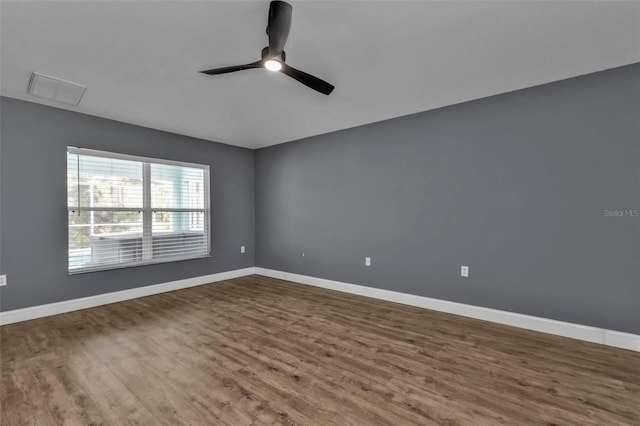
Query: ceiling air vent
[[55, 89]]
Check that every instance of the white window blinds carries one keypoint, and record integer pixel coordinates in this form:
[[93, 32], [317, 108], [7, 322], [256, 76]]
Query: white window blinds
[[127, 211]]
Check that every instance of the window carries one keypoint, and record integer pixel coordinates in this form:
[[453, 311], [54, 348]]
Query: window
[[127, 211]]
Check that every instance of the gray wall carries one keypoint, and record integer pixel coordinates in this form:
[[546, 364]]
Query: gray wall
[[33, 231], [515, 186]]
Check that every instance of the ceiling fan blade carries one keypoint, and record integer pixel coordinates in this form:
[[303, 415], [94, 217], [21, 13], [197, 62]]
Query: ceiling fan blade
[[224, 70], [307, 79], [278, 26]]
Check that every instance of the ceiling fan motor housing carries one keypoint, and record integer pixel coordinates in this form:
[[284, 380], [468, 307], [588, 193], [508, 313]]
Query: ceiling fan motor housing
[[281, 57]]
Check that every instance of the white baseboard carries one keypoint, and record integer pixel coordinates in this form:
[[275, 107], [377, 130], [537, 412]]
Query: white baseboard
[[560, 328], [40, 311], [545, 325]]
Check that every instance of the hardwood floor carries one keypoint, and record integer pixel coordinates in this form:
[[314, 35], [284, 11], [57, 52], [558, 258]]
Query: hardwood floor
[[262, 351]]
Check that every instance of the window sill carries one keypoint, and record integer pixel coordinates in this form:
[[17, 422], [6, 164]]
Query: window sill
[[108, 267]]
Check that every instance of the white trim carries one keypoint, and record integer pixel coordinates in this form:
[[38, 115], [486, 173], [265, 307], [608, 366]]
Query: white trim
[[125, 265], [136, 158], [560, 328], [34, 312], [545, 325], [622, 340]]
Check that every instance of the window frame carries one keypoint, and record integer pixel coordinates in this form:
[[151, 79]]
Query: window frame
[[147, 210]]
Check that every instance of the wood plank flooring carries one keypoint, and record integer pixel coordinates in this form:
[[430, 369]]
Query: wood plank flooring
[[261, 351]]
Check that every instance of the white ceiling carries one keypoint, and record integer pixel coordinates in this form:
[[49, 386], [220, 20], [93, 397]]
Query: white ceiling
[[140, 59]]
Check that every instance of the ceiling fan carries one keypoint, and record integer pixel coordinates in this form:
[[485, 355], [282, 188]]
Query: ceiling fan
[[273, 56]]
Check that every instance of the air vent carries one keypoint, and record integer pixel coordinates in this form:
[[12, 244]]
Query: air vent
[[55, 89]]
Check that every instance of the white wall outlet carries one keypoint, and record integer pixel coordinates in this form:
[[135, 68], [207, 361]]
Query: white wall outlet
[[242, 249], [367, 261], [302, 253], [464, 271], [3, 280]]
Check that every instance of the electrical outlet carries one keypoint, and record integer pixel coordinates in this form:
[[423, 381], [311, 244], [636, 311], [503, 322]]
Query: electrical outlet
[[464, 271], [242, 249], [3, 280], [302, 253], [367, 261]]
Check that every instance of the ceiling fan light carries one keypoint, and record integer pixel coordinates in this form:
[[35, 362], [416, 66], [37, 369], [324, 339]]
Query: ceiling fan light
[[273, 65]]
